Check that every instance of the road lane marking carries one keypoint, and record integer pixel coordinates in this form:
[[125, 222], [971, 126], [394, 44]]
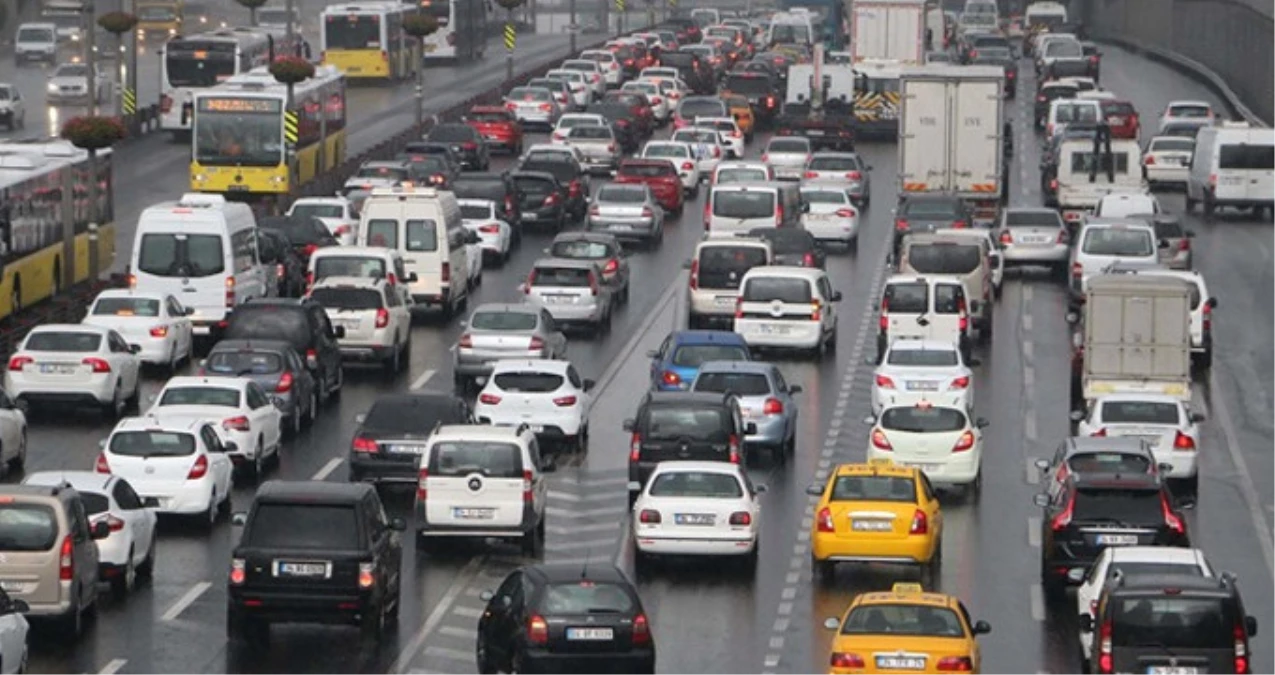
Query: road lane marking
[[422, 379], [186, 600], [460, 655], [629, 347], [1029, 350], [1029, 425], [468, 612], [579, 529], [1247, 489], [112, 667], [1033, 531], [1033, 473], [592, 512], [323, 473], [457, 632], [466, 574], [1037, 602]]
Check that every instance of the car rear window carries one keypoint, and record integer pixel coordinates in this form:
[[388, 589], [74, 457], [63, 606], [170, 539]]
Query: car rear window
[[478, 187], [243, 363], [1140, 412], [1076, 112], [740, 384], [499, 321], [694, 355], [697, 423], [743, 204], [789, 145], [919, 420], [317, 211], [622, 194], [451, 132], [1032, 219], [94, 502], [1172, 623], [216, 396], [49, 341], [1138, 507], [580, 250], [393, 173], [944, 258], [873, 489], [901, 619], [563, 170], [1109, 462], [819, 163], [922, 357], [1154, 568], [270, 322], [534, 187], [825, 196], [422, 235], [528, 382], [783, 289], [1173, 145], [27, 527], [181, 255], [590, 132], [648, 170], [321, 527], [907, 298], [730, 175], [409, 416], [348, 298], [701, 107], [560, 277], [737, 259], [461, 458], [1168, 229], [146, 307], [1190, 111], [476, 211], [1118, 242], [696, 484], [665, 150], [585, 597], [152, 444]]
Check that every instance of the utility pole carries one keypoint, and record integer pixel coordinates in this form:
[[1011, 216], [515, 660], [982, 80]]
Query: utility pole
[[511, 40], [289, 9], [572, 26], [90, 58], [619, 8], [130, 89]]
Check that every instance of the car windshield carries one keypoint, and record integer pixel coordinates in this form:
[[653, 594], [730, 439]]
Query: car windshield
[[796, 145], [49, 341], [528, 382], [1140, 507], [696, 485], [215, 396], [944, 258], [743, 204], [318, 527], [703, 424], [317, 210], [922, 420], [622, 194], [666, 150], [181, 255], [476, 211], [152, 444], [503, 321], [924, 358], [348, 266], [1032, 219], [144, 307], [777, 289], [826, 163], [1189, 569], [1140, 412], [243, 363], [1170, 624], [1118, 242], [348, 299], [741, 175], [740, 384], [35, 35], [873, 488], [27, 527], [585, 597], [691, 356], [902, 619], [493, 459]]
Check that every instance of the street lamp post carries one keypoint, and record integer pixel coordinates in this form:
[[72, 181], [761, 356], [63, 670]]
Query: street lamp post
[[90, 56]]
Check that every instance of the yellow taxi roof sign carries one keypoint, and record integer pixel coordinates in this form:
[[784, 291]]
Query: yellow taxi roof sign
[[907, 587], [881, 462]]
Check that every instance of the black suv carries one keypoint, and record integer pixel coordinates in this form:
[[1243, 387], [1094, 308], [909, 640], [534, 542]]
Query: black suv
[[1092, 511], [556, 618], [304, 324], [694, 72], [571, 176], [677, 425], [314, 552], [391, 437], [466, 142], [495, 187], [1148, 623], [277, 249], [307, 234]]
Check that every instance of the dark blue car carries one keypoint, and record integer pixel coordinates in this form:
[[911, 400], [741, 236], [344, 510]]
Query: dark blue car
[[676, 363]]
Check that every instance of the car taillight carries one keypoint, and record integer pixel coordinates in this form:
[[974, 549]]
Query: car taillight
[[694, 282], [367, 575], [1006, 238], [1105, 664], [239, 423], [733, 443], [285, 383], [279, 271], [361, 444], [199, 469], [879, 441], [1062, 237], [1171, 519], [66, 559], [238, 571], [635, 447], [132, 281], [1093, 60], [1241, 648], [960, 383], [920, 523], [1206, 322], [1183, 442], [741, 518], [1184, 244], [545, 107], [847, 213], [641, 630], [230, 291], [670, 378], [564, 401], [808, 260], [1063, 519], [467, 341], [511, 106], [965, 442], [688, 166], [900, 224], [884, 322], [823, 522], [955, 664], [382, 317], [312, 357], [960, 224], [98, 365], [309, 280], [101, 465], [16, 363], [1041, 98], [854, 175], [551, 199], [884, 382], [846, 660], [612, 266], [422, 485], [445, 272], [527, 485], [489, 399], [490, 228], [537, 344], [649, 516], [810, 174], [1049, 130], [1077, 270], [162, 331], [537, 630]]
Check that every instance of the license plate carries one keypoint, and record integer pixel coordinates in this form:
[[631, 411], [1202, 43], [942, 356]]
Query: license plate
[[927, 468], [724, 301], [622, 228], [1037, 240], [1117, 539], [530, 216], [1153, 441], [474, 514], [871, 525], [1173, 670], [923, 386], [56, 369], [200, 330], [12, 586], [694, 518], [559, 299], [300, 569], [901, 662], [590, 634], [814, 132], [537, 429], [772, 329], [406, 449]]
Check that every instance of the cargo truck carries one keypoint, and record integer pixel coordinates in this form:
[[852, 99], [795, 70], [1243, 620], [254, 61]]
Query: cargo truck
[[952, 135], [891, 30], [819, 104]]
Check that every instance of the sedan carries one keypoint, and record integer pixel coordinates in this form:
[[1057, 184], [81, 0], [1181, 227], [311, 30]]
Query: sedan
[[728, 132], [581, 87], [698, 509], [1167, 161], [832, 217], [480, 217], [792, 246], [598, 145], [706, 143], [377, 174], [497, 331], [923, 370], [765, 399], [788, 155], [533, 105], [157, 323], [627, 211], [571, 120], [69, 83], [392, 435], [1165, 422], [845, 168], [248, 417], [603, 249], [77, 364], [1197, 113], [1033, 236]]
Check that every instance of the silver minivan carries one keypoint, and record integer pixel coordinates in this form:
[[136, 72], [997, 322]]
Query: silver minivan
[[734, 209]]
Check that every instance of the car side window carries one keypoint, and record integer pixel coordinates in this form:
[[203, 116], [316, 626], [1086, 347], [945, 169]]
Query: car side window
[[574, 377], [174, 308], [777, 378], [244, 246], [125, 497], [211, 441], [117, 343], [391, 298], [1059, 455], [372, 520], [927, 488], [400, 271]]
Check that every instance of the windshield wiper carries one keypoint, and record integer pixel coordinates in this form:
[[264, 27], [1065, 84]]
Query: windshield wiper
[[601, 610]]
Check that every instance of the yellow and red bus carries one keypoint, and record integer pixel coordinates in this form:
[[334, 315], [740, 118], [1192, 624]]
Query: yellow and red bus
[[366, 41]]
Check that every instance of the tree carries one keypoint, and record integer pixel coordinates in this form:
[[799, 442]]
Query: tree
[[117, 23], [252, 6], [420, 26]]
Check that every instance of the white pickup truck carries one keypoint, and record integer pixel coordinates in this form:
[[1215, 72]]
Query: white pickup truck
[[1087, 172]]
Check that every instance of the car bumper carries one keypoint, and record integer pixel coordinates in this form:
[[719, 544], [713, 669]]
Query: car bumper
[[96, 391], [476, 366], [714, 306], [300, 607], [1185, 463], [671, 545], [247, 442], [366, 352], [772, 430], [384, 469], [575, 314], [957, 469], [1026, 254], [189, 501], [909, 550], [425, 528], [621, 229], [112, 552], [534, 118], [1166, 174], [784, 334], [841, 229], [546, 427], [48, 609]]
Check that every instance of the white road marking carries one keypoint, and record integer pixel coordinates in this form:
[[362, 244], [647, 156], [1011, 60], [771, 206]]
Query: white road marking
[[1033, 473], [1037, 602], [1029, 378], [441, 608], [323, 473], [468, 612], [186, 600], [1247, 489], [1029, 425], [1029, 350], [458, 632], [1033, 531], [422, 379], [577, 529], [112, 667], [460, 655], [1027, 322]]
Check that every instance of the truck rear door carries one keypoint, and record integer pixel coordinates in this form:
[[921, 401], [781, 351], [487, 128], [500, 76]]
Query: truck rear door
[[975, 152], [924, 141]]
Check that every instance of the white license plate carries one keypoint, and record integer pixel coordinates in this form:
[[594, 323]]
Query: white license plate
[[530, 216], [474, 514], [622, 228], [590, 634], [1173, 670], [900, 663], [1117, 539], [723, 301], [1037, 240], [300, 569], [200, 330], [927, 468], [1153, 441], [406, 449], [537, 429], [560, 299], [694, 518], [871, 525], [773, 329], [814, 132], [923, 386], [56, 369], [12, 586]]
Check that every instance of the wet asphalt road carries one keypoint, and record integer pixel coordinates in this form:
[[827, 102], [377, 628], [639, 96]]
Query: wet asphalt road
[[706, 621]]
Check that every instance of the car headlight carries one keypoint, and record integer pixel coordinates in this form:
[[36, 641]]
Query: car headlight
[[53, 88]]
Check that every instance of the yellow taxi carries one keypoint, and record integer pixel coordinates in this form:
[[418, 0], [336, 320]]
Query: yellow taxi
[[742, 112], [906, 630], [876, 512]]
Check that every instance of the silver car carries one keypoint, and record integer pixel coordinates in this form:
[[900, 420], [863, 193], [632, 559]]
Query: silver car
[[765, 399], [533, 105], [572, 291], [70, 84], [788, 156], [497, 331], [13, 110], [846, 168], [598, 146], [1174, 245], [603, 250], [1033, 236], [628, 212]]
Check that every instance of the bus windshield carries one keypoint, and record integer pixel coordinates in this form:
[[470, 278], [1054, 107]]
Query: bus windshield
[[238, 132], [156, 13], [356, 31], [198, 64]]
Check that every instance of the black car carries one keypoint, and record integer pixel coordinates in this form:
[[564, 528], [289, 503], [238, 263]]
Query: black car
[[555, 618], [388, 444], [623, 120], [678, 425], [274, 365], [760, 90], [1092, 455], [307, 234], [1089, 512], [276, 249], [1003, 57], [430, 169], [466, 142], [542, 200], [495, 187], [314, 552], [304, 324], [697, 74], [927, 213], [639, 105], [1151, 623], [443, 150], [571, 176], [792, 246]]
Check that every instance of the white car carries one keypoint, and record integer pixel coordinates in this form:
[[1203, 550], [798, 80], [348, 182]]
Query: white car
[[728, 131], [156, 322], [1187, 112], [788, 155], [581, 86], [377, 323], [1164, 422], [75, 363], [183, 464], [698, 508], [13, 436], [610, 66], [671, 88], [377, 174], [336, 212], [832, 217], [242, 408], [914, 370], [1115, 560], [781, 307], [737, 171], [706, 143], [682, 157], [1167, 160], [479, 216], [13, 108], [1126, 205], [553, 152], [940, 440], [572, 120], [69, 83], [13, 633], [1102, 244], [660, 109], [593, 70], [547, 394], [128, 552]]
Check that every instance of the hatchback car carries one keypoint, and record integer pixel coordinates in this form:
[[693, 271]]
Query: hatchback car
[[498, 127], [304, 324], [675, 364], [376, 323], [788, 156], [541, 200], [784, 307], [846, 169], [627, 212], [158, 323], [832, 214], [764, 397], [940, 439], [572, 291], [548, 395]]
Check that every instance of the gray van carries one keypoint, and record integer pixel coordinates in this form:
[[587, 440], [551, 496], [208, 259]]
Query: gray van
[[735, 208]]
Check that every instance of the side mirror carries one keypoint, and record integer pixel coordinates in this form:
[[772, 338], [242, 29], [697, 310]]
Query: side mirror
[[1076, 575], [981, 422], [1196, 418], [486, 596], [1042, 464], [239, 519], [750, 428], [1084, 621], [589, 385], [101, 530], [973, 362], [398, 524], [21, 606], [831, 623], [134, 349], [360, 418], [760, 488], [338, 332], [412, 277], [1072, 318], [1041, 500], [1250, 625], [150, 502], [629, 425], [1212, 303], [1076, 415], [836, 296], [795, 389], [230, 446], [982, 628], [814, 490]]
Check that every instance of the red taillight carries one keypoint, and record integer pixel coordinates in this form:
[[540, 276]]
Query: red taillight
[[810, 174], [490, 228], [573, 188], [879, 441], [537, 630], [847, 213], [688, 166], [230, 291], [649, 516], [641, 630], [955, 664], [564, 401], [612, 266], [279, 271], [960, 224], [238, 571], [113, 523], [132, 281], [309, 280], [1101, 433], [846, 660], [670, 378], [162, 331], [312, 356], [467, 341], [98, 365], [239, 423], [285, 383], [1063, 519], [309, 249], [545, 107], [854, 175], [537, 343], [511, 106], [1062, 237], [779, 213], [920, 523], [1171, 519], [445, 273], [900, 224], [1148, 161], [551, 200], [694, 283], [593, 285], [1241, 648], [489, 399], [765, 156], [824, 521], [101, 465], [509, 204], [1077, 270], [1184, 244], [884, 382], [1183, 442], [1206, 321], [635, 447], [773, 406], [382, 317], [422, 483], [16, 363], [965, 442], [884, 322], [1093, 59], [527, 484], [199, 469], [365, 445], [66, 559], [741, 518], [733, 443], [1105, 664]]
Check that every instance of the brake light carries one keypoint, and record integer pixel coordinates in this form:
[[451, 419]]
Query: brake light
[[511, 106], [239, 423], [545, 107], [445, 273], [649, 516], [808, 260], [1184, 244], [1093, 60], [1105, 664], [779, 213], [230, 291], [367, 575], [635, 447], [810, 174], [920, 523], [1006, 238], [773, 406], [238, 571], [66, 559], [612, 266], [365, 445], [1101, 433], [1063, 519], [900, 224], [199, 469], [694, 283], [965, 442], [824, 521], [466, 341], [854, 175], [573, 189], [527, 485], [1171, 519], [1077, 270], [509, 204], [312, 357], [688, 166], [641, 630], [960, 224], [537, 344], [670, 378], [884, 382], [16, 363], [98, 365], [733, 443], [279, 271], [847, 213], [846, 660], [879, 441], [955, 664], [565, 401], [162, 331], [382, 317], [741, 518], [309, 280], [1241, 648], [489, 399], [422, 482], [1206, 321], [1183, 442], [884, 322], [1062, 237], [101, 465], [537, 630], [551, 199], [285, 383]]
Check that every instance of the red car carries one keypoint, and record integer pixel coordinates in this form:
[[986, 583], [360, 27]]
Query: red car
[[498, 126], [1122, 117], [658, 174]]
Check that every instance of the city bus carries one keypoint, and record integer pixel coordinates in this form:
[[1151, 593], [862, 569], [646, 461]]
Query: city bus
[[462, 30], [366, 41], [238, 146], [36, 213], [195, 62], [159, 17]]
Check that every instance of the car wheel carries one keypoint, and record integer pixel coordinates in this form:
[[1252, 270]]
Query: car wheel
[[294, 421], [122, 584], [825, 571], [582, 441], [114, 409], [20, 459], [533, 542], [147, 569], [134, 400], [258, 469], [73, 621], [208, 519], [749, 561], [373, 626], [394, 362]]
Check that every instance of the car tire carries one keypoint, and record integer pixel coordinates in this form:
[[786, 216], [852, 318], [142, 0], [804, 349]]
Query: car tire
[[208, 519], [114, 409], [312, 413], [824, 571], [146, 570], [257, 470], [748, 561], [294, 422], [19, 460], [1190, 203], [532, 543], [73, 621], [372, 627], [122, 584], [393, 363]]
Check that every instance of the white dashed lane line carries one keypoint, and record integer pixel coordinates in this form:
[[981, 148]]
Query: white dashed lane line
[[186, 600], [323, 473], [112, 667], [422, 379]]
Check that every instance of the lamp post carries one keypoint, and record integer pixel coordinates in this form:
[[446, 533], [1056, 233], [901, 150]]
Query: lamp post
[[420, 26], [289, 70], [117, 24]]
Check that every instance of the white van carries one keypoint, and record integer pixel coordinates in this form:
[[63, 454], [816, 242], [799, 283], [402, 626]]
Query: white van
[[785, 307], [717, 267], [735, 208], [928, 308], [967, 259], [424, 225], [373, 262], [202, 250], [1234, 165], [1069, 111], [36, 42]]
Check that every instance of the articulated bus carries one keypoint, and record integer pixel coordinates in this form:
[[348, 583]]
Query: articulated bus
[[195, 62], [238, 146], [35, 212], [159, 17], [366, 41], [462, 30]]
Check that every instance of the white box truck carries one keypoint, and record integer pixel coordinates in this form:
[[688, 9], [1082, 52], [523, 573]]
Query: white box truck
[[951, 135], [892, 30], [1134, 337]]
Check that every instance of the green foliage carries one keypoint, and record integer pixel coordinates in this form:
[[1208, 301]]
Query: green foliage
[[420, 25], [117, 23], [93, 133], [291, 69]]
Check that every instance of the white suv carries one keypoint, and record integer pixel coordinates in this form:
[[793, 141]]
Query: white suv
[[482, 481], [547, 394], [378, 324], [1104, 244]]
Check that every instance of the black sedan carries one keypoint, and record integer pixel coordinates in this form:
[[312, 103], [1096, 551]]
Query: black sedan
[[792, 246], [306, 233], [466, 142], [391, 437], [276, 249]]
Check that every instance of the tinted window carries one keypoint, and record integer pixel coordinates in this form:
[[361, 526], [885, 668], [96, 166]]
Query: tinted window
[[789, 145], [1118, 241], [382, 232], [534, 187], [529, 383], [622, 194], [923, 420], [1076, 112], [27, 527], [728, 175], [1032, 219], [152, 444], [647, 170], [730, 258], [580, 249], [511, 321], [170, 255], [1117, 108], [694, 355], [461, 458], [907, 298], [662, 150], [743, 204], [306, 526], [299, 230], [94, 503], [898, 619], [218, 396], [1154, 568], [944, 258], [126, 307], [318, 211], [477, 187], [268, 322], [1084, 162], [348, 298], [1109, 462], [243, 363], [393, 173], [1140, 412], [418, 416], [696, 484], [1132, 506], [1174, 622], [783, 289], [740, 384], [948, 299], [62, 342], [922, 357], [585, 597], [874, 489], [1252, 157], [349, 266], [562, 277], [669, 422], [1064, 49], [701, 107], [824, 163], [590, 132]]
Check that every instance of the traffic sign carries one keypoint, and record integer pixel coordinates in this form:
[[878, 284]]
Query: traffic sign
[[619, 5], [511, 37], [291, 127], [130, 101]]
